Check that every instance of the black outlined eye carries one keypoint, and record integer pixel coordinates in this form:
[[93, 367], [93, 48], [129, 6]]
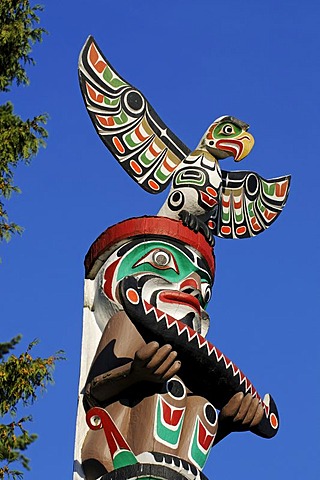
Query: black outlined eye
[[228, 129], [134, 102], [159, 258], [176, 200]]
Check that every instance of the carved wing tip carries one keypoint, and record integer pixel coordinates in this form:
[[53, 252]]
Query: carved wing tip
[[90, 39], [251, 203], [126, 123]]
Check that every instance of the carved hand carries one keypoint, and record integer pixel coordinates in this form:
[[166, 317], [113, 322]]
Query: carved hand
[[241, 413], [153, 363]]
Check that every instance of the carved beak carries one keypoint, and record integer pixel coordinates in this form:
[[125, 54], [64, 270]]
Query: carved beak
[[238, 147], [247, 141]]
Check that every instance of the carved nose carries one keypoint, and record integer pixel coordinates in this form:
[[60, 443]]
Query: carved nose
[[191, 285]]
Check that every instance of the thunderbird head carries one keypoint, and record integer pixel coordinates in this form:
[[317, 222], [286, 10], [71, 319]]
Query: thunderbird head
[[227, 136]]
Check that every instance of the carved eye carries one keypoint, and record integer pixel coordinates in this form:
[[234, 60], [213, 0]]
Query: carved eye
[[228, 129], [176, 200], [210, 413], [134, 102], [159, 258], [206, 292]]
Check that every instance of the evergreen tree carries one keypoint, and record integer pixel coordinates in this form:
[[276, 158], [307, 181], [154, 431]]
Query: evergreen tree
[[19, 140], [21, 378]]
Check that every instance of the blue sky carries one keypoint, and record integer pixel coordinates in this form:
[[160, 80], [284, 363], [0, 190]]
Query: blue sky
[[195, 61]]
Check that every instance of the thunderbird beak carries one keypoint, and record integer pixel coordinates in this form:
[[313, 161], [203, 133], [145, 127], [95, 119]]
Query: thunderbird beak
[[238, 147]]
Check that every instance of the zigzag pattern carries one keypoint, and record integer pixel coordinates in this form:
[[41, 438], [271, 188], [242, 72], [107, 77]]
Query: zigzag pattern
[[204, 345], [194, 351]]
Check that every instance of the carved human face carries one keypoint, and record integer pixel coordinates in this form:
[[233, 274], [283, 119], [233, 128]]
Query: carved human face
[[174, 278]]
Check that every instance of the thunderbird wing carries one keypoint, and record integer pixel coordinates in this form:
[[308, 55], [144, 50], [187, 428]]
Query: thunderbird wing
[[127, 124], [248, 204]]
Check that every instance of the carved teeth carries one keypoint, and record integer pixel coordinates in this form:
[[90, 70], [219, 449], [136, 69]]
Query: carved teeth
[[180, 328], [202, 342], [182, 466]]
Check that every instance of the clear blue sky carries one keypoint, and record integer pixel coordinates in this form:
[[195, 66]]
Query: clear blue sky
[[195, 61]]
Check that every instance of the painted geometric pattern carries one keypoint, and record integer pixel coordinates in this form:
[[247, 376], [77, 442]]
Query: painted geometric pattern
[[168, 423], [248, 204], [201, 442], [97, 418], [127, 124]]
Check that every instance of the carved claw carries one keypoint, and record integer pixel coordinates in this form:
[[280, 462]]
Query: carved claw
[[194, 223]]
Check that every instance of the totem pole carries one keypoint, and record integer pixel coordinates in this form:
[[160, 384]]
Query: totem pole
[[150, 383]]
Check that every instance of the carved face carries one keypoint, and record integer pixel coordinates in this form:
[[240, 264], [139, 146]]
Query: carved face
[[174, 278], [226, 137]]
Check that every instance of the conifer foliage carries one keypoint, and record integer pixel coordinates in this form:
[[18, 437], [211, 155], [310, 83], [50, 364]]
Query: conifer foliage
[[19, 140], [21, 379]]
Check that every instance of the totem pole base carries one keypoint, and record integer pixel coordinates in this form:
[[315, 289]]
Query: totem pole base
[[179, 470]]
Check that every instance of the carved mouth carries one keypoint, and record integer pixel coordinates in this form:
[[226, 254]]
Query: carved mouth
[[235, 147], [180, 298]]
